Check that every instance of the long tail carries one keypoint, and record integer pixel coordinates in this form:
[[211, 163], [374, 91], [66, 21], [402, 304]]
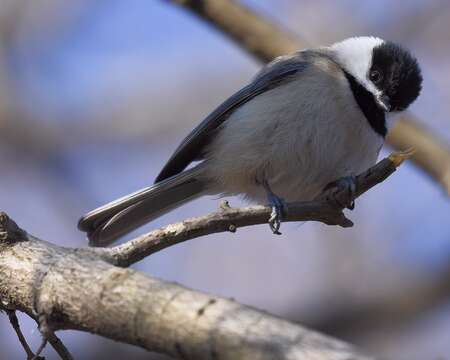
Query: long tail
[[109, 222]]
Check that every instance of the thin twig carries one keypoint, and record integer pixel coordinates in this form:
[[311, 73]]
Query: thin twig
[[16, 326], [59, 346], [267, 40], [324, 209], [40, 349], [51, 337]]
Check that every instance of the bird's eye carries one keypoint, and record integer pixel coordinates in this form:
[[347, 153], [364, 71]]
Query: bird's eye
[[375, 76]]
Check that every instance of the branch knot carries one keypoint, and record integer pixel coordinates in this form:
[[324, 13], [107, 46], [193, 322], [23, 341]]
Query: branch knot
[[9, 231]]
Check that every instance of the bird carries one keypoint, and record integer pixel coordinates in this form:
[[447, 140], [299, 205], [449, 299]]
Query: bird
[[307, 119]]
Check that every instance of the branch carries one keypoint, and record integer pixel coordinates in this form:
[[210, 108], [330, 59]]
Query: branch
[[325, 209], [56, 343], [75, 289], [14, 321], [399, 307], [266, 40]]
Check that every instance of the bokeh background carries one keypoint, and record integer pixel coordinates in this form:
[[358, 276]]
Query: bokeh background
[[96, 94]]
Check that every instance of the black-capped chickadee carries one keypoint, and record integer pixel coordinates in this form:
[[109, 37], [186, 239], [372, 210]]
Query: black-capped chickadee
[[306, 120]]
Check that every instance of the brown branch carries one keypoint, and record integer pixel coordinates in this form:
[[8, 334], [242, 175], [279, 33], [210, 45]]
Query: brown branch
[[16, 326], [245, 27], [267, 40], [397, 308], [57, 344], [40, 349], [75, 289], [324, 209], [432, 154]]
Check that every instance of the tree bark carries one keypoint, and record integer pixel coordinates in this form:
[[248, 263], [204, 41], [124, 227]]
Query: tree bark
[[76, 289]]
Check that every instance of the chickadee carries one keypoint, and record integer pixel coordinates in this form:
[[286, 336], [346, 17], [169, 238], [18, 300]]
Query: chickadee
[[307, 119]]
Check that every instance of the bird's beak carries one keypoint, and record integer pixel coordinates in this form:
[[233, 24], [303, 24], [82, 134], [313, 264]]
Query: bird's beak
[[383, 102]]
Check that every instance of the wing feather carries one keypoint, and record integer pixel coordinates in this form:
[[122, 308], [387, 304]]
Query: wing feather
[[278, 71]]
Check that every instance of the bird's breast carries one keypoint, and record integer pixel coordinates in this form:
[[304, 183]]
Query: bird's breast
[[297, 137]]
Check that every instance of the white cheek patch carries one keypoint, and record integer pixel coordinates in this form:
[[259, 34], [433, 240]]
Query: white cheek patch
[[355, 56]]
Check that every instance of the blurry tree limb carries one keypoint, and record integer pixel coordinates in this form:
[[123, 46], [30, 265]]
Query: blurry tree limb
[[66, 288], [261, 37], [266, 40], [432, 154], [397, 308], [324, 208]]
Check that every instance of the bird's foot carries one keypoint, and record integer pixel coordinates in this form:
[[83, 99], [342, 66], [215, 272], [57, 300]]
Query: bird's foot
[[347, 183], [276, 217], [278, 209]]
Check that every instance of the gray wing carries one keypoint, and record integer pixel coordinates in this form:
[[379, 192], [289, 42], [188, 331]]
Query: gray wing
[[278, 71]]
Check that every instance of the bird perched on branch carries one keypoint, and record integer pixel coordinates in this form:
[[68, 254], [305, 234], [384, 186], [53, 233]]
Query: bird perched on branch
[[306, 120]]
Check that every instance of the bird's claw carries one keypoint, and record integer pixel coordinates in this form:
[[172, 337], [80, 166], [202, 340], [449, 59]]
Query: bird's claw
[[347, 183], [277, 213], [275, 221]]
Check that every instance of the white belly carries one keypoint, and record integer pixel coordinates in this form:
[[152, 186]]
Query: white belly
[[297, 143]]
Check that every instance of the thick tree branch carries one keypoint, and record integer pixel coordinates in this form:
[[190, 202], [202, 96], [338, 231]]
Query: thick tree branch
[[75, 289], [324, 209], [266, 40]]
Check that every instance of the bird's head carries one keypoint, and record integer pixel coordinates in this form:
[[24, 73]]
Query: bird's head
[[386, 70]]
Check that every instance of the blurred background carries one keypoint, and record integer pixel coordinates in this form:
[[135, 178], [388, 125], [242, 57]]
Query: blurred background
[[94, 97]]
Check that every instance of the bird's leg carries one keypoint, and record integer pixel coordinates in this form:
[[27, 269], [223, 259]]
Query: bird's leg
[[347, 183], [278, 209]]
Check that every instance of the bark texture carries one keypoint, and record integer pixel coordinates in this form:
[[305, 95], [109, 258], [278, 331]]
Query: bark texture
[[76, 289]]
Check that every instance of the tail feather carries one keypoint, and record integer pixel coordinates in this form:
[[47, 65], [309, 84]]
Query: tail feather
[[113, 220]]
